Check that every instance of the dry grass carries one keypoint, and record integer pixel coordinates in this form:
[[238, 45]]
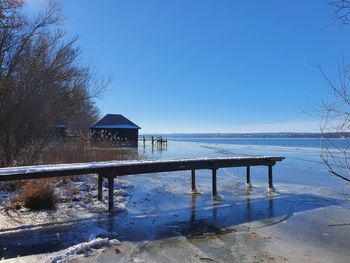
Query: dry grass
[[70, 151], [37, 195]]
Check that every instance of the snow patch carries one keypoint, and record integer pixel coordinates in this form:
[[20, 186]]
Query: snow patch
[[86, 249], [120, 207], [114, 242]]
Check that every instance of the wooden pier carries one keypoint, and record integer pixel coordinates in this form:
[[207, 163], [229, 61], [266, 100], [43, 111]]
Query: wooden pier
[[112, 169], [156, 141]]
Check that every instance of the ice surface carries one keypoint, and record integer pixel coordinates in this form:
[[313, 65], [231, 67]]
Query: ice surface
[[165, 222]]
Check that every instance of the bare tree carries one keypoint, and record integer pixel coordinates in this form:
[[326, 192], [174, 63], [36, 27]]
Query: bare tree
[[335, 113], [42, 82], [341, 11], [335, 110]]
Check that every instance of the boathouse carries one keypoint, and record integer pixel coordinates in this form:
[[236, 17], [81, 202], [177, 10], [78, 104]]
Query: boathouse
[[116, 128]]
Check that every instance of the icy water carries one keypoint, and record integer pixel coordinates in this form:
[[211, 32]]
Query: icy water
[[282, 142], [165, 222], [302, 165]]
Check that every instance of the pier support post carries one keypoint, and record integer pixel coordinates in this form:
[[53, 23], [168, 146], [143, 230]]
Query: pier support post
[[248, 176], [214, 182], [99, 187], [270, 178], [110, 193], [193, 181]]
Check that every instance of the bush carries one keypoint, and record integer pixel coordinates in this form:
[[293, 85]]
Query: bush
[[37, 195]]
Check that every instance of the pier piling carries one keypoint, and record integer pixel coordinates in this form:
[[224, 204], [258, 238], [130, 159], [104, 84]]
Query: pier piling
[[193, 181], [248, 176], [99, 187], [214, 182], [270, 178], [110, 193]]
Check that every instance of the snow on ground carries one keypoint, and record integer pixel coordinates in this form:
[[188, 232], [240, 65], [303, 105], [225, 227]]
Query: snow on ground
[[85, 249], [77, 200]]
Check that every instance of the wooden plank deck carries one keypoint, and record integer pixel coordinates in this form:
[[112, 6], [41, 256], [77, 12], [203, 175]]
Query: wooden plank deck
[[111, 169]]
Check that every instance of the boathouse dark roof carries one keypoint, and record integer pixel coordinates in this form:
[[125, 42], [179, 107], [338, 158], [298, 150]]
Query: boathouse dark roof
[[114, 121]]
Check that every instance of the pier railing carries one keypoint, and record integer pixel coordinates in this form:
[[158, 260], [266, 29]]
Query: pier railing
[[112, 169]]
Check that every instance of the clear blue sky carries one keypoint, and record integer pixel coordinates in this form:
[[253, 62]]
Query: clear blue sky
[[209, 66]]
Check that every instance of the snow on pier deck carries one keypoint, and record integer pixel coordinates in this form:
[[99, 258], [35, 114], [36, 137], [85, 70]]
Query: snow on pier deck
[[111, 169]]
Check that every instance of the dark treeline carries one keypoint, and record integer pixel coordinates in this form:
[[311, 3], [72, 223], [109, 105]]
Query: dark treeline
[[43, 82]]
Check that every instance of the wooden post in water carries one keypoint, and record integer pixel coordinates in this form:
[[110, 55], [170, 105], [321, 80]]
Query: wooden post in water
[[99, 187], [270, 178], [110, 193], [214, 182], [248, 176], [193, 181]]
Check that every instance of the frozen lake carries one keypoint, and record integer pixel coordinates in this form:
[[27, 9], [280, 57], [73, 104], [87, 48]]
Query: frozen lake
[[305, 220]]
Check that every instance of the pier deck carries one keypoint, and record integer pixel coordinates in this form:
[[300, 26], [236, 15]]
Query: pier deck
[[112, 169]]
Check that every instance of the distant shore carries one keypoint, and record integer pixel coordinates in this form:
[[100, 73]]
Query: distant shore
[[298, 135]]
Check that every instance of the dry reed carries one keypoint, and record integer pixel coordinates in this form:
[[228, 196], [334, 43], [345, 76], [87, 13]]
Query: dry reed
[[37, 195]]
